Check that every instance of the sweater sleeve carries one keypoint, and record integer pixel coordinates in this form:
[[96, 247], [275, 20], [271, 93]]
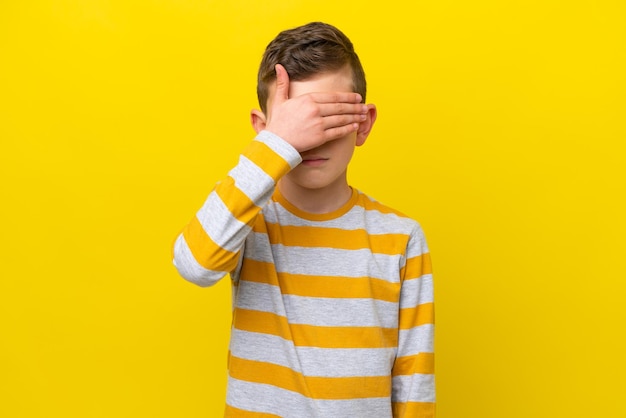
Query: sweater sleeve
[[209, 247], [413, 378]]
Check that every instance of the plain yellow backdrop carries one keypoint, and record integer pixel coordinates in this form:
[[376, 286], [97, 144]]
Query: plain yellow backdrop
[[501, 129]]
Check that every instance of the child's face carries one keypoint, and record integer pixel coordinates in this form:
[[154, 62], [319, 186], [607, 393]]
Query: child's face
[[324, 166]]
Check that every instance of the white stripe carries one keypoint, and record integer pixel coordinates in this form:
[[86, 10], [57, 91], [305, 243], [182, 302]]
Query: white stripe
[[345, 263], [189, 268], [288, 404], [260, 297], [253, 181], [220, 225], [258, 247], [280, 147], [340, 312], [416, 340], [311, 361], [417, 291], [417, 244], [414, 388], [322, 312], [263, 398]]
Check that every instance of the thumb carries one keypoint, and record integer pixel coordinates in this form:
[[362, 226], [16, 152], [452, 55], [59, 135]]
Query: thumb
[[282, 84]]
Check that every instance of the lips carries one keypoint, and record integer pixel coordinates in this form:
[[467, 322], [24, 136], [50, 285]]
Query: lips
[[313, 160]]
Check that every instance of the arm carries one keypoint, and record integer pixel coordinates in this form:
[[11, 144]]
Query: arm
[[210, 245], [413, 372]]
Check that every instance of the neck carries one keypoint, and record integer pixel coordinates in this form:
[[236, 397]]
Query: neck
[[317, 201]]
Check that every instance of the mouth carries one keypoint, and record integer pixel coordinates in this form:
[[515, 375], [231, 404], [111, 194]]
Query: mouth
[[313, 161]]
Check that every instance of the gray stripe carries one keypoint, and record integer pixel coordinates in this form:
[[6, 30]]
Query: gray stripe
[[417, 291], [414, 388], [189, 268], [345, 263], [323, 312], [288, 404], [258, 247], [260, 297], [253, 181], [340, 312], [417, 245], [322, 362], [281, 147], [416, 340], [220, 225]]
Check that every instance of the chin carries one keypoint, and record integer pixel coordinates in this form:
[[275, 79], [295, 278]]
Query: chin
[[312, 185], [314, 180]]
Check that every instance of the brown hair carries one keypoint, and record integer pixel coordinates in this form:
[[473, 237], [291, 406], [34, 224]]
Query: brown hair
[[308, 50]]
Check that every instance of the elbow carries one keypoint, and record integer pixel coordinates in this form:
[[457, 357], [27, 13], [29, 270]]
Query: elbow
[[197, 275], [189, 268]]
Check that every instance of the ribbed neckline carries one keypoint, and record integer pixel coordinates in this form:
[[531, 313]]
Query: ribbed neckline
[[278, 197]]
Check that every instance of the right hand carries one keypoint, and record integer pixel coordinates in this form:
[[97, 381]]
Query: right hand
[[312, 119]]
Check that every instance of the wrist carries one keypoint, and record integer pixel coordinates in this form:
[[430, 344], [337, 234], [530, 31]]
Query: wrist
[[280, 146]]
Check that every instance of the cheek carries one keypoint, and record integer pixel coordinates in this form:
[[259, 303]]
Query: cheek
[[343, 143], [344, 146]]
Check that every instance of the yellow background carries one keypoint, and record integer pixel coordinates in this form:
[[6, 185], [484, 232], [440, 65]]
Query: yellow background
[[501, 129]]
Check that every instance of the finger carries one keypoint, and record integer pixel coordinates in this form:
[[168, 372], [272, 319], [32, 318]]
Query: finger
[[282, 84], [329, 109], [338, 121], [340, 131]]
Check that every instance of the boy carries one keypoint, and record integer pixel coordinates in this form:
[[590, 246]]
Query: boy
[[332, 291]]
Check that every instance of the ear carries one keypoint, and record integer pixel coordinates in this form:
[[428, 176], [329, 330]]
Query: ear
[[366, 126], [258, 120]]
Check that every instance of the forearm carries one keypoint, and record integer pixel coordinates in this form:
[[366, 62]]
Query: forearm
[[210, 245]]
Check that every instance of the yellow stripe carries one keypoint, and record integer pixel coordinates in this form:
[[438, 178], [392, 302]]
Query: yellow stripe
[[259, 272], [314, 336], [320, 286], [232, 412], [339, 287], [307, 236], [416, 267], [265, 158], [423, 363], [237, 202], [311, 387], [368, 204], [206, 252], [413, 409], [419, 315]]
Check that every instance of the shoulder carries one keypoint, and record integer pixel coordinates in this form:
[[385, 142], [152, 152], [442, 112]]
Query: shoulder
[[386, 216], [371, 204], [387, 220]]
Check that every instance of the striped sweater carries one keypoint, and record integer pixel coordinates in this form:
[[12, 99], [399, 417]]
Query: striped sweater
[[332, 313]]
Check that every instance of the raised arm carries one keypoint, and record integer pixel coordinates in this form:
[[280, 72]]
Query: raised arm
[[210, 245]]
